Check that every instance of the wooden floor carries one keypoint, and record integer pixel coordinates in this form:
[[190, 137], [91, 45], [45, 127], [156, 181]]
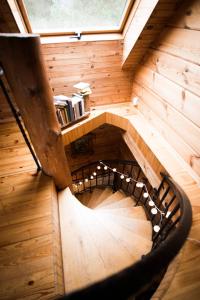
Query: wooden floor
[[30, 258]]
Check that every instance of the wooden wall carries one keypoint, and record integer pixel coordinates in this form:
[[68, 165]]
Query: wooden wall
[[167, 83], [106, 142], [95, 62], [7, 21]]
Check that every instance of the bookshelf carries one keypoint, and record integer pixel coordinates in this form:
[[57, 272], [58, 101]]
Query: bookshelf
[[86, 115], [70, 110]]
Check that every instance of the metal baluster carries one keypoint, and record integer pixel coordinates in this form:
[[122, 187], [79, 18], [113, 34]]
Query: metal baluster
[[166, 221]]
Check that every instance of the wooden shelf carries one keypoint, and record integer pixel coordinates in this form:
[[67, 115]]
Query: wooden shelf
[[76, 121]]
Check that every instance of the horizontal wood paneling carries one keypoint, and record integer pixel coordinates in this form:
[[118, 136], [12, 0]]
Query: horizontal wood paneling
[[98, 63], [148, 20], [167, 83]]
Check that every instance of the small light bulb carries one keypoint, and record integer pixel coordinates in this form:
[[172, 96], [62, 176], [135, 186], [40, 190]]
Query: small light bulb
[[80, 182], [98, 167], [128, 179], [139, 184], [105, 168], [151, 203], [154, 211], [168, 214], [145, 195], [156, 228], [94, 173], [86, 180], [114, 170], [122, 176], [91, 177]]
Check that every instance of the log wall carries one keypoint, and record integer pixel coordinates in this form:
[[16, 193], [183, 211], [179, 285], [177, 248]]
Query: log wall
[[167, 84]]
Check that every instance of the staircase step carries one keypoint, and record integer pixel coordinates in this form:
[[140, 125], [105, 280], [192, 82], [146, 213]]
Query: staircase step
[[84, 198], [123, 203], [135, 244], [139, 227], [105, 193], [115, 197], [90, 251], [136, 212], [96, 197]]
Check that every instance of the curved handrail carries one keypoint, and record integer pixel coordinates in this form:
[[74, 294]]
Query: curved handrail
[[138, 279]]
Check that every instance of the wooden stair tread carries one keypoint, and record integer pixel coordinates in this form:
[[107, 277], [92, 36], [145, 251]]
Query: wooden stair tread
[[97, 199], [135, 244], [115, 197], [90, 251], [123, 203], [138, 226], [84, 198], [136, 212]]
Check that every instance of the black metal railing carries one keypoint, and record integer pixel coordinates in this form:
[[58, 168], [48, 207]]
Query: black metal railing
[[172, 220]]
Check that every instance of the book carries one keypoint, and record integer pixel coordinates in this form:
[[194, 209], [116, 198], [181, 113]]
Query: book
[[84, 88], [81, 85]]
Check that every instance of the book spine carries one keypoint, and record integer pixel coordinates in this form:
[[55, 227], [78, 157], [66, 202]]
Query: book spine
[[63, 116], [81, 107], [60, 118], [77, 112], [71, 112]]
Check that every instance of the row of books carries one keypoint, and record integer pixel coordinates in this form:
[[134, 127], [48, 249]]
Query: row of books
[[69, 109]]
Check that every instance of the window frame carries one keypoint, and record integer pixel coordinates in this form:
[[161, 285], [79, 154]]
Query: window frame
[[106, 30]]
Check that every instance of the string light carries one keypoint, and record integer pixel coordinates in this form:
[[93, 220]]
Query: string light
[[151, 203], [146, 195], [156, 228], [154, 209], [139, 184]]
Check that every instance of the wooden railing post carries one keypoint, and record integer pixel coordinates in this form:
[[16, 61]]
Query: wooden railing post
[[23, 65]]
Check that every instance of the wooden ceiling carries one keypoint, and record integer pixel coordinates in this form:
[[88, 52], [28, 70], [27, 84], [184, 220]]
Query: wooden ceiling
[[149, 18]]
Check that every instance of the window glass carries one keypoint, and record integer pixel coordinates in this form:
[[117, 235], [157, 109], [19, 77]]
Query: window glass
[[74, 15]]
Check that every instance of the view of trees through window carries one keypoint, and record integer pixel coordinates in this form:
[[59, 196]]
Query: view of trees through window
[[72, 15]]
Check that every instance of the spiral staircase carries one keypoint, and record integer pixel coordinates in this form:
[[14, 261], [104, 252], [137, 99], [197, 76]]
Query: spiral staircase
[[109, 247]]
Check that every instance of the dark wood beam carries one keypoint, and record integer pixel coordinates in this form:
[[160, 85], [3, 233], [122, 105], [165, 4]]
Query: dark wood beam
[[22, 62]]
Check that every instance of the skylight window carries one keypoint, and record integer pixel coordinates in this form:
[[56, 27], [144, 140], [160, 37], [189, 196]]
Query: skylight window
[[60, 16]]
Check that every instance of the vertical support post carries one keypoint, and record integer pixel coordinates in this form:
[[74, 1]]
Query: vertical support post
[[23, 64]]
